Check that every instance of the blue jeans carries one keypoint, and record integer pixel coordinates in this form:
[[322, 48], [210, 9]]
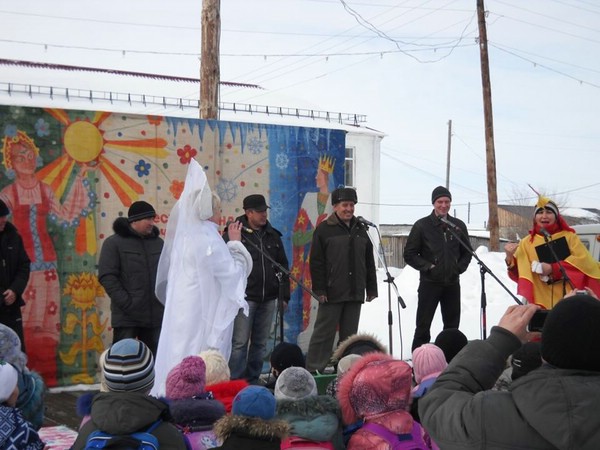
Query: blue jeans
[[246, 361]]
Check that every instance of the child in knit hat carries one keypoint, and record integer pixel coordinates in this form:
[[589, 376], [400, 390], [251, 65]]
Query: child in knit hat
[[15, 431], [284, 355], [251, 424], [428, 362], [126, 407], [218, 380], [313, 418], [377, 390], [193, 410], [31, 385]]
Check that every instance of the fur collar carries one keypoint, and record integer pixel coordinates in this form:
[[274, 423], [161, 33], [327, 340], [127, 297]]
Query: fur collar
[[252, 427]]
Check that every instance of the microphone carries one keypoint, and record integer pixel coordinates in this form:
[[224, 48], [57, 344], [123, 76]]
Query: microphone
[[245, 229], [364, 221], [450, 224], [545, 233]]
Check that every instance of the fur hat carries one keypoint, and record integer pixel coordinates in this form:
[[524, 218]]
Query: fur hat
[[140, 210], [187, 379], [358, 344], [428, 361], [128, 366], [344, 195], [451, 341], [10, 348], [217, 369], [295, 383], [571, 336], [525, 359], [254, 401], [8, 380], [375, 384], [255, 202], [4, 211], [286, 355], [438, 192]]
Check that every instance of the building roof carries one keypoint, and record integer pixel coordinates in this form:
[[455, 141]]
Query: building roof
[[26, 83], [573, 216]]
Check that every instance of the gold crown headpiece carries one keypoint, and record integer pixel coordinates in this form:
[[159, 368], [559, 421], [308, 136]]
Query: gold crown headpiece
[[326, 163]]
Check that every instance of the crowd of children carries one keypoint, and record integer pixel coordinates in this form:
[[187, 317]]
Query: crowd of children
[[375, 402]]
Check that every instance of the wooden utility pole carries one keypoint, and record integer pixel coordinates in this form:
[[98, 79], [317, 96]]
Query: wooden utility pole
[[489, 132], [209, 59], [448, 157]]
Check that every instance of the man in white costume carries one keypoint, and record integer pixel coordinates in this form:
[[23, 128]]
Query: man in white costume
[[201, 279]]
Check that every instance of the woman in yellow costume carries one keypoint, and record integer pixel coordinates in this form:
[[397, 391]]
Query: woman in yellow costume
[[543, 283], [32, 203]]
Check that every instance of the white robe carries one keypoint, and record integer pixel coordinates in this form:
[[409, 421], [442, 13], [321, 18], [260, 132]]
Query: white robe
[[201, 280]]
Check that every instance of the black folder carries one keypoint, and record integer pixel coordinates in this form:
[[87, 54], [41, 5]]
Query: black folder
[[560, 247]]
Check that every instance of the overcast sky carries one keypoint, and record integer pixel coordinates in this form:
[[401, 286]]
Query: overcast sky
[[409, 65]]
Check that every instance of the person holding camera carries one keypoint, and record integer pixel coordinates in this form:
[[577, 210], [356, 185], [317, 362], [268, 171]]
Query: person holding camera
[[544, 283], [14, 274], [554, 406]]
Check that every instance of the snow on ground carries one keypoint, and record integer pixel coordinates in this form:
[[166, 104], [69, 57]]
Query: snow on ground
[[374, 315]]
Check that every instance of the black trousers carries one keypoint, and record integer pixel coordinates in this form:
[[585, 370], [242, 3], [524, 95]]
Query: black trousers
[[430, 295], [148, 336]]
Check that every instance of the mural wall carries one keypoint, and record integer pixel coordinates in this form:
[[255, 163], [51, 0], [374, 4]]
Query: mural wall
[[67, 175]]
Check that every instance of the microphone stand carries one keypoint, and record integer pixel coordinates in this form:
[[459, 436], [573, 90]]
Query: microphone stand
[[483, 269], [390, 281], [280, 273], [566, 279]]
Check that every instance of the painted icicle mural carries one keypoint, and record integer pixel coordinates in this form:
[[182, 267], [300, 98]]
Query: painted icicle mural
[[66, 175]]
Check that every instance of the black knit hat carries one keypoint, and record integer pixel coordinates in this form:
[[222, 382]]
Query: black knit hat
[[525, 359], [286, 355], [571, 335], [440, 191], [140, 210], [344, 195], [451, 341], [4, 211]]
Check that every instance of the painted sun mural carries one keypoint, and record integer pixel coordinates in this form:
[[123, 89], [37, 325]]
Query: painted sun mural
[[68, 174]]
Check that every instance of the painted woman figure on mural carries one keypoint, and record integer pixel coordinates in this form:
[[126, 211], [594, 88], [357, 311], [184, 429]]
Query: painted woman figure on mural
[[33, 203], [314, 209]]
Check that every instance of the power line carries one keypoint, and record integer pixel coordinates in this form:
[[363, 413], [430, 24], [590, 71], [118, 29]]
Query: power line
[[536, 64]]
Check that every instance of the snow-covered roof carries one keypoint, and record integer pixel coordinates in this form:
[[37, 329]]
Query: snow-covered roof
[[33, 84]]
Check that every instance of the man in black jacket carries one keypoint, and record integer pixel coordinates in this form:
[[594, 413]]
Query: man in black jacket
[[342, 268], [262, 290], [14, 274], [127, 271], [440, 258]]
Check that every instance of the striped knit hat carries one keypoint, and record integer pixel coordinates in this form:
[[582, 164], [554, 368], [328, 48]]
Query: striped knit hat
[[128, 366]]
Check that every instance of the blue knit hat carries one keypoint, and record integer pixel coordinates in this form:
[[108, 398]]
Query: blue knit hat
[[128, 366], [254, 401]]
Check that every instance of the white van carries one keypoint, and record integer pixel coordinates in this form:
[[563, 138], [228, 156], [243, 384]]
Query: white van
[[590, 236]]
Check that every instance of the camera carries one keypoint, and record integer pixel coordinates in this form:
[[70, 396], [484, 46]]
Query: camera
[[581, 292], [537, 321]]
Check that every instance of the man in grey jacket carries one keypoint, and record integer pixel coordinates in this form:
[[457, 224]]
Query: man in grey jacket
[[127, 271], [553, 407]]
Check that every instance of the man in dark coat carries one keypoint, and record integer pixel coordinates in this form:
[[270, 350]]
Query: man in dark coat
[[552, 407], [127, 271], [436, 252], [262, 290], [342, 268], [14, 274]]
